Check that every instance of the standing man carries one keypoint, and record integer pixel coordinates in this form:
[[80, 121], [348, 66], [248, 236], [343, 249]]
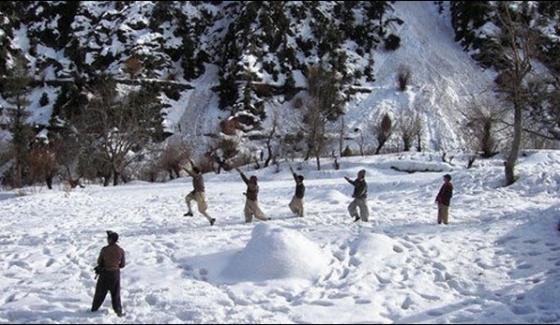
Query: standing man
[[360, 197], [110, 261], [296, 205], [251, 204], [197, 193], [443, 200]]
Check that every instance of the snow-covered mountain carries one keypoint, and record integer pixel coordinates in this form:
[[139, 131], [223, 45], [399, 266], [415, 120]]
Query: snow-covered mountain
[[214, 60]]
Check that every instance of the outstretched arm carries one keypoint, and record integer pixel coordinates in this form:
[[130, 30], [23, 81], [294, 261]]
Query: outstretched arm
[[350, 181]]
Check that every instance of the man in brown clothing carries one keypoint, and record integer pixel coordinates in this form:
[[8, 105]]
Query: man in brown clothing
[[251, 204], [360, 197], [197, 193], [110, 261], [443, 199], [296, 205]]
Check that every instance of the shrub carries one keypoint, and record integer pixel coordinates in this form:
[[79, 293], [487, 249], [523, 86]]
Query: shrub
[[392, 42], [404, 76]]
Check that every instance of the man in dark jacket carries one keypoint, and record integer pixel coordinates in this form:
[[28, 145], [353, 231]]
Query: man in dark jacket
[[110, 261], [443, 199], [360, 197], [251, 203], [296, 205], [197, 193]]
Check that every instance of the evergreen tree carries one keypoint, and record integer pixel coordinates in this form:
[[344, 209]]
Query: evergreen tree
[[16, 91]]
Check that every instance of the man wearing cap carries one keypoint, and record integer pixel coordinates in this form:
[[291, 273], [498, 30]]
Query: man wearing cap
[[296, 205], [443, 199], [360, 197], [110, 261], [251, 203]]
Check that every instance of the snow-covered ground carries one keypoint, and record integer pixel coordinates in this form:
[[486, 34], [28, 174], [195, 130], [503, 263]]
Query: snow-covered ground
[[498, 260]]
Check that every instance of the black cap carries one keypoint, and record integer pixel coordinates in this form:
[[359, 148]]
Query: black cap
[[112, 235], [447, 176]]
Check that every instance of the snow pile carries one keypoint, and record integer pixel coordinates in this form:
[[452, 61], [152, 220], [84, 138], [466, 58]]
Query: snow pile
[[276, 253], [376, 247]]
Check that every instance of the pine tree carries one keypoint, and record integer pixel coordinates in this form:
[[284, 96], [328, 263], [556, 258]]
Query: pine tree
[[16, 91]]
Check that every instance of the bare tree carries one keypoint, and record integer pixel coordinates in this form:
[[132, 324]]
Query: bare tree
[[119, 125], [362, 142], [325, 103], [383, 131], [481, 120], [518, 48], [150, 170], [42, 164], [404, 76], [408, 126], [175, 154], [270, 138]]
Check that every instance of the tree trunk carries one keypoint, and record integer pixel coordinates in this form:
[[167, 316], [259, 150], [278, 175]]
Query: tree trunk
[[318, 158], [419, 143], [379, 147], [341, 135], [49, 180], [406, 142], [116, 176], [269, 149], [170, 172], [18, 172], [177, 172], [515, 146], [307, 155], [106, 180]]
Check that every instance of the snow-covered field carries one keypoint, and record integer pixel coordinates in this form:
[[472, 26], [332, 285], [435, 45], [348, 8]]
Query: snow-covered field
[[498, 260]]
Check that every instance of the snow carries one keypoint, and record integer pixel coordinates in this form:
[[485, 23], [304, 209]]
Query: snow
[[277, 253], [496, 262]]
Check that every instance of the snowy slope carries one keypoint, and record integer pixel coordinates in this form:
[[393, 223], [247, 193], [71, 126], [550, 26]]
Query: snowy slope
[[444, 77], [496, 262]]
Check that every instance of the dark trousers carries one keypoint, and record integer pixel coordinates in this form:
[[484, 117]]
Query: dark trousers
[[108, 281]]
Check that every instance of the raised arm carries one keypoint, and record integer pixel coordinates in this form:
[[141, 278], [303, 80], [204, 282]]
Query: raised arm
[[350, 181], [293, 173], [245, 179], [191, 174]]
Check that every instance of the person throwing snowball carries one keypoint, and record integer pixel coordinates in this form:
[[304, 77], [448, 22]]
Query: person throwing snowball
[[360, 197]]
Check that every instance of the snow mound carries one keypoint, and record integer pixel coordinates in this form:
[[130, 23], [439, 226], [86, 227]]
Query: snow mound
[[334, 197], [373, 251], [276, 253], [376, 247]]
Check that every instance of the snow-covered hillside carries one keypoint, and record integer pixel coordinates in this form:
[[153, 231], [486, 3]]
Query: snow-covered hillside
[[444, 78], [498, 260]]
